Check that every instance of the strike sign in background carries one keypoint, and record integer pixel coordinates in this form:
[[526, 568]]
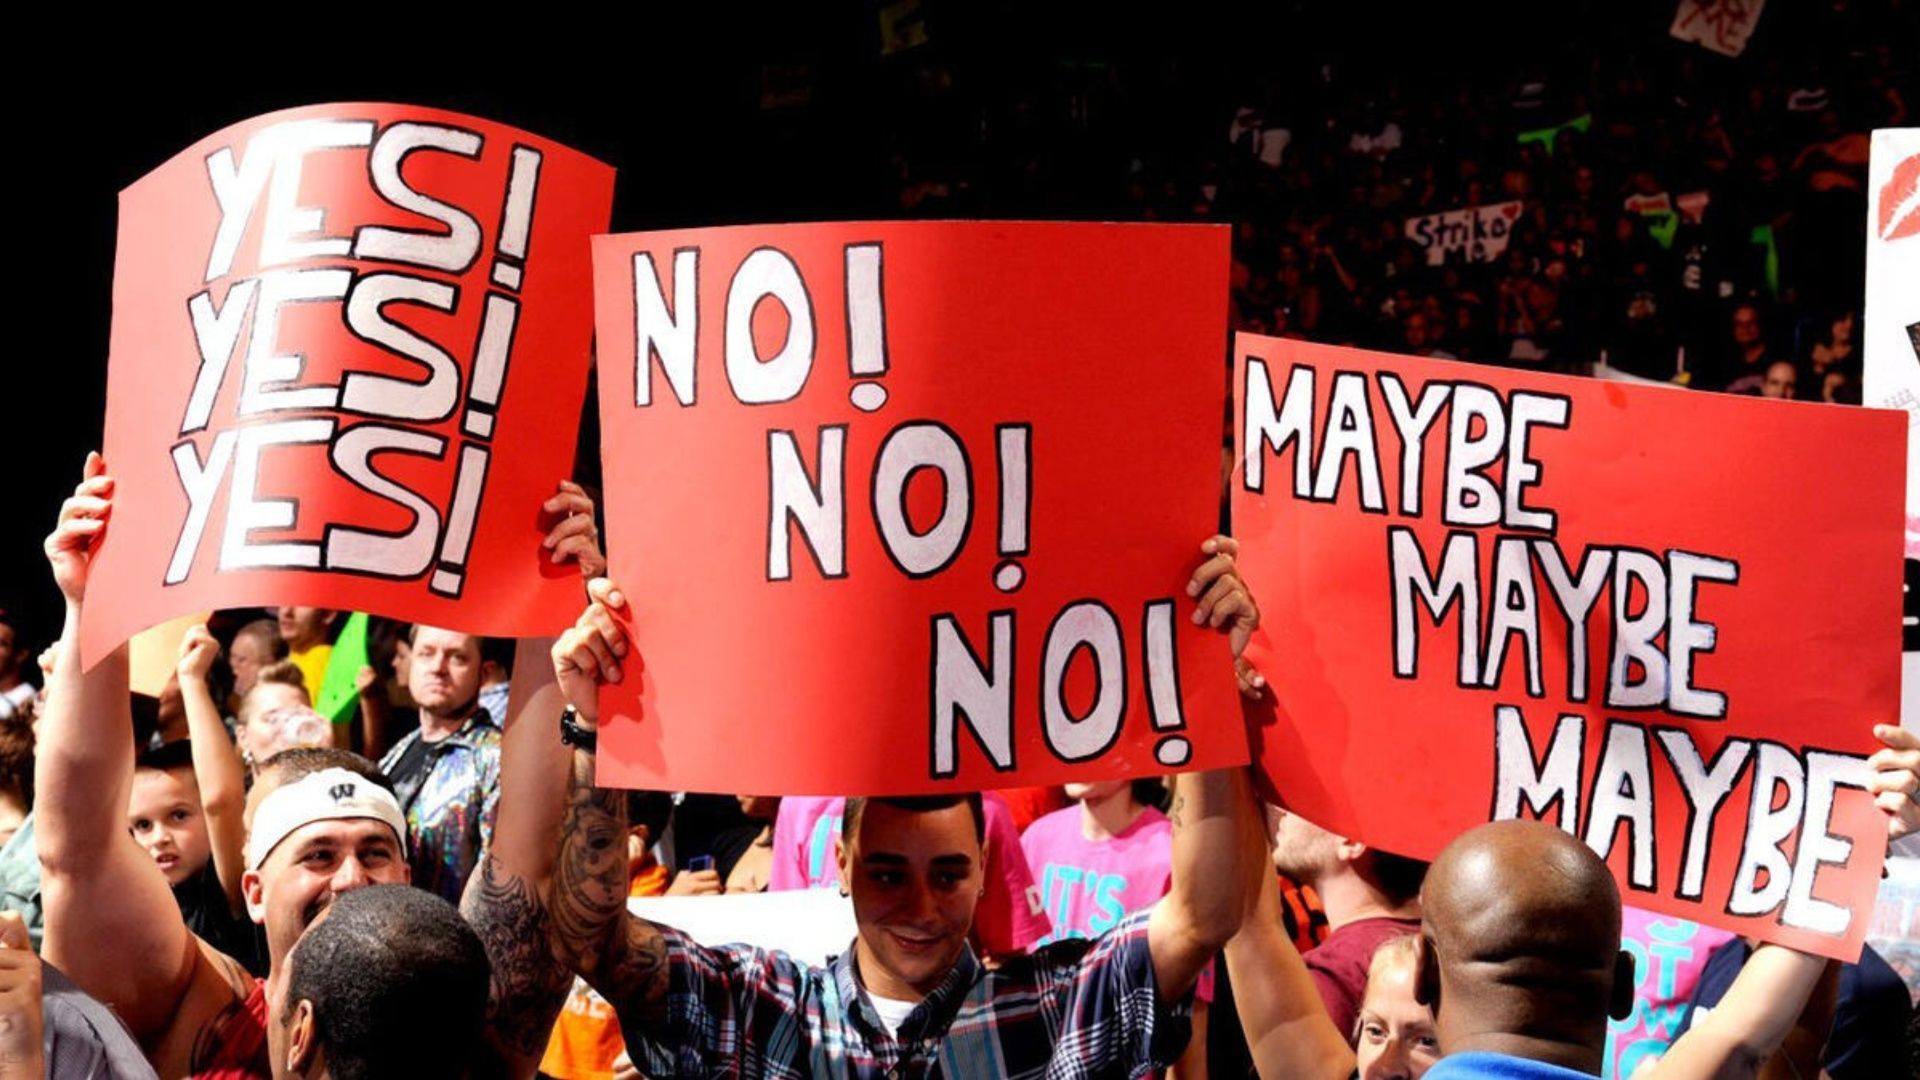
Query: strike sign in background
[[911, 507], [341, 338], [1663, 621]]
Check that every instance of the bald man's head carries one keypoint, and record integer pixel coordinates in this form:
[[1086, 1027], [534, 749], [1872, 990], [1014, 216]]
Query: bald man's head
[[1520, 948]]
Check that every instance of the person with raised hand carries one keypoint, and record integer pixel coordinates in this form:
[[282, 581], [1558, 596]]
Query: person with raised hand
[[909, 994], [213, 788], [505, 897], [111, 922]]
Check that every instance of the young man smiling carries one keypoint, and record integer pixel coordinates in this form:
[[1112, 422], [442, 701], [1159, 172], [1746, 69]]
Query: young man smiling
[[909, 998]]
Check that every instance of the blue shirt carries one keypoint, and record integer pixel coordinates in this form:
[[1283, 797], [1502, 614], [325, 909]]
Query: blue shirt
[[1482, 1065]]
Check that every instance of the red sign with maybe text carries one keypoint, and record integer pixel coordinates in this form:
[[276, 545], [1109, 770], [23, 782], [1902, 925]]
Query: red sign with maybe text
[[1664, 621]]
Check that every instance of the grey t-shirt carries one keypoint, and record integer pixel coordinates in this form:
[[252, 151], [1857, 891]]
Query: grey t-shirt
[[84, 1039]]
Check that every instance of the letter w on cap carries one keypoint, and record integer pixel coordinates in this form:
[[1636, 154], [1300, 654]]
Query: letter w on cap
[[341, 791]]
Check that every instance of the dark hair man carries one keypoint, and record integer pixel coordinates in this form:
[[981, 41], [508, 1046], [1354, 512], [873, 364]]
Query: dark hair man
[[388, 982], [909, 994]]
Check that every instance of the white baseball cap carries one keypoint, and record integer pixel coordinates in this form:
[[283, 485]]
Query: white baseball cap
[[328, 795]]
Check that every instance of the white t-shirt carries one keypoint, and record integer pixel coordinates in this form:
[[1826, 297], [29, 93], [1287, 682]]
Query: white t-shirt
[[893, 1012], [14, 701]]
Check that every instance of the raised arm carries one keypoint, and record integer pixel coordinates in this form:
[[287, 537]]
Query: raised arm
[[112, 924], [1762, 1007], [1201, 912], [374, 712], [217, 769], [619, 954], [1287, 1028], [505, 901], [1782, 1000]]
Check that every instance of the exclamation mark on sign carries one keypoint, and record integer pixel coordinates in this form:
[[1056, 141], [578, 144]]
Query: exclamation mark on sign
[[451, 575], [1016, 503], [866, 325], [1163, 687], [516, 218], [490, 354]]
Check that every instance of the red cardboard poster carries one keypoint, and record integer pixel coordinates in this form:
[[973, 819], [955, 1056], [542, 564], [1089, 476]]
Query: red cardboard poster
[[348, 345], [1663, 621], [911, 507]]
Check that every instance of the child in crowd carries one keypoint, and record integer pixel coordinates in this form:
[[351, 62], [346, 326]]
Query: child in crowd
[[186, 811]]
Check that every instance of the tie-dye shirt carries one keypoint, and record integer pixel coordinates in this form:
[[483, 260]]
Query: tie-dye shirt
[[450, 802]]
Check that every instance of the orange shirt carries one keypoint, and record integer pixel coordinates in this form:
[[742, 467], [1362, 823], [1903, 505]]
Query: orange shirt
[[586, 1037]]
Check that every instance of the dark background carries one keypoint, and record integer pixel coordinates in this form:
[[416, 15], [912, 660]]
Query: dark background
[[755, 114]]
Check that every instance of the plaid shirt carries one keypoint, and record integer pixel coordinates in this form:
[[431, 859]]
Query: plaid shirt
[[1070, 1010]]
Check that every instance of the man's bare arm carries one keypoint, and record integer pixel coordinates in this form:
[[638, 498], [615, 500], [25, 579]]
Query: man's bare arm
[[1752, 1021], [134, 952], [1203, 909], [505, 900], [1287, 1028]]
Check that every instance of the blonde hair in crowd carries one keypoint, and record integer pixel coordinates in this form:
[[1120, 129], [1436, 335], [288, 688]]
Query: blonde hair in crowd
[[281, 673]]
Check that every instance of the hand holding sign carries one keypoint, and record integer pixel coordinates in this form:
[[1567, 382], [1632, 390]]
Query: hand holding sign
[[340, 337], [76, 535], [588, 654], [1895, 783], [575, 538], [1225, 604], [939, 480]]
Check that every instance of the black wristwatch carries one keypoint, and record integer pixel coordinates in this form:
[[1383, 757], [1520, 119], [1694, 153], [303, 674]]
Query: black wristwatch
[[576, 736]]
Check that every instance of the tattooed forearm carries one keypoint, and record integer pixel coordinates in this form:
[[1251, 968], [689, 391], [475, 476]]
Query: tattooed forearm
[[529, 982], [633, 975], [590, 875], [622, 957], [1207, 839]]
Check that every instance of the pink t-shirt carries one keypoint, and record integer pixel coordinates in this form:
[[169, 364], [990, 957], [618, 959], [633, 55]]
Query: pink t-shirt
[[1090, 885], [1009, 918], [803, 835], [1668, 955]]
